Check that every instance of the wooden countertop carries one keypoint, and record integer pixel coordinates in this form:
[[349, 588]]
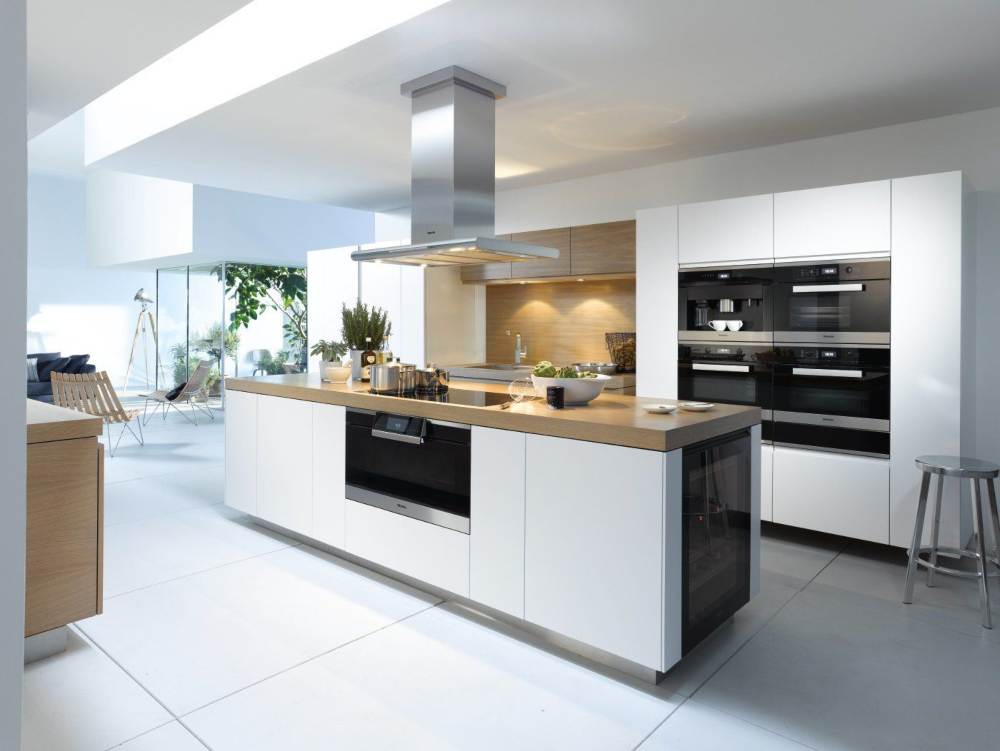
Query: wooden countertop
[[47, 422], [614, 419]]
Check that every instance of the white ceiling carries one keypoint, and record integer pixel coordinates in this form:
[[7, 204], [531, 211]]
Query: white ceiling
[[78, 50], [593, 86]]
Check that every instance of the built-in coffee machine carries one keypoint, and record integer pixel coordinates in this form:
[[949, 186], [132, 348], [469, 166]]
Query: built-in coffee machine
[[726, 304]]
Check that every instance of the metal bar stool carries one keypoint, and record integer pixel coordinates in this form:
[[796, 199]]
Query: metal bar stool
[[974, 470]]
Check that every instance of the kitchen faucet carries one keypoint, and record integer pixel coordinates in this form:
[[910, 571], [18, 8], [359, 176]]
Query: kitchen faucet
[[518, 352]]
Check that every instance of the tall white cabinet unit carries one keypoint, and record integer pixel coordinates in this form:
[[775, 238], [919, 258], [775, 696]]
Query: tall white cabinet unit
[[837, 221], [656, 302], [927, 297], [730, 231], [241, 451]]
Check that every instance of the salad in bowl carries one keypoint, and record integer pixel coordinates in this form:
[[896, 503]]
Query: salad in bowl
[[580, 388]]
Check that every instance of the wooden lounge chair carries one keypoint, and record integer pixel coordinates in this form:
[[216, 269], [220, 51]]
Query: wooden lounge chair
[[93, 393], [195, 387]]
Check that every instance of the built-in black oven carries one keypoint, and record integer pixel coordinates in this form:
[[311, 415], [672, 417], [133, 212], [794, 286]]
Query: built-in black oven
[[739, 297], [715, 534], [845, 302], [411, 466], [833, 397], [732, 373]]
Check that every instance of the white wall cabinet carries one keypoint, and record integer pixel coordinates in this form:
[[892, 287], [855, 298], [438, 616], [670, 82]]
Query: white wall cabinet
[[285, 466], [241, 451], [834, 221], [594, 545], [656, 302], [417, 549], [766, 482], [496, 543], [733, 230], [836, 493], [328, 450]]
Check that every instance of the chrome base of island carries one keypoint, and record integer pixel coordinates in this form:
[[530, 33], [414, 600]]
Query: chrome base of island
[[627, 556]]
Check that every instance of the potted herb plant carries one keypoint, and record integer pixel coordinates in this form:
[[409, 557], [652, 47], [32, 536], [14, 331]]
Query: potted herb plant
[[330, 367], [364, 327]]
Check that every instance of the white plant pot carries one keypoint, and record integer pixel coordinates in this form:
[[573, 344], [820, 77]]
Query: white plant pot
[[334, 372]]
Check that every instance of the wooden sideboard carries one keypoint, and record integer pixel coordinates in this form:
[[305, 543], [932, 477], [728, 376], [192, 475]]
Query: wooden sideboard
[[65, 504]]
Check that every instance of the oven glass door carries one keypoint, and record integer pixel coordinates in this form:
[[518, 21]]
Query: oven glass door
[[828, 309], [727, 374], [435, 473]]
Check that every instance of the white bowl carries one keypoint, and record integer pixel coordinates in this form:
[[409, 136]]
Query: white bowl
[[718, 325], [734, 325], [334, 372], [578, 390]]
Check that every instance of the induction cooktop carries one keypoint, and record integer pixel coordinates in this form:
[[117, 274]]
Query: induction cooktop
[[465, 397]]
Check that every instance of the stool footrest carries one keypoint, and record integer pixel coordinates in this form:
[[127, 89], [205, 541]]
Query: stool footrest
[[928, 549]]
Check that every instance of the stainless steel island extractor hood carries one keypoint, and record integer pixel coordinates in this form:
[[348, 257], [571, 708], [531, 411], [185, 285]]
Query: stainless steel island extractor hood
[[453, 176]]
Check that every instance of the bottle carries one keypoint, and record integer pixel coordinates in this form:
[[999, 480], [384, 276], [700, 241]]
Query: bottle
[[368, 358]]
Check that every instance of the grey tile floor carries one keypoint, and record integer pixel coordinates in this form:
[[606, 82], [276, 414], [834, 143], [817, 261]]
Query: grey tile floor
[[220, 634]]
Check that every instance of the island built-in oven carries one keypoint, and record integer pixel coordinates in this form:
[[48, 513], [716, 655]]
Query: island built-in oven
[[731, 373], [739, 297], [833, 397], [411, 466], [716, 534], [844, 302]]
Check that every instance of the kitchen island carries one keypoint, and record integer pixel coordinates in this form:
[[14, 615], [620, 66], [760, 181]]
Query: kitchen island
[[619, 534]]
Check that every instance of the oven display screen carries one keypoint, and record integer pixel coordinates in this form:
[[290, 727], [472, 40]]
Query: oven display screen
[[397, 424]]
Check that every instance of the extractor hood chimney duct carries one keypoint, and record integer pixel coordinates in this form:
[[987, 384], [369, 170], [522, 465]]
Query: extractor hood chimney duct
[[452, 189]]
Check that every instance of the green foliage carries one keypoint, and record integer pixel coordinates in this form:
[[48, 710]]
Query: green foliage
[[178, 363], [545, 369], [256, 289], [328, 351], [274, 365], [363, 321]]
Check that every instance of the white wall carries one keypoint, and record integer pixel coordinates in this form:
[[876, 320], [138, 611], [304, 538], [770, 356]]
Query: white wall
[[13, 231], [73, 307], [968, 142], [135, 218]]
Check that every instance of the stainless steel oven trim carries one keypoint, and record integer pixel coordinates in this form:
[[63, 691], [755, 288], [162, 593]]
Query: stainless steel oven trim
[[833, 258], [827, 337], [826, 450], [399, 437], [798, 289], [685, 336], [751, 264], [407, 508], [443, 423], [828, 372], [832, 421], [720, 368]]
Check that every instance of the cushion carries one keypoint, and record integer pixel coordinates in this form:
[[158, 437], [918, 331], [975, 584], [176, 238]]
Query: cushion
[[32, 370], [41, 388], [76, 363], [42, 356], [45, 369], [174, 392]]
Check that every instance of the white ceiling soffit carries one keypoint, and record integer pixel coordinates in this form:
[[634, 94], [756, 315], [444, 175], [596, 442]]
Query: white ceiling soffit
[[593, 86], [78, 50], [258, 44]]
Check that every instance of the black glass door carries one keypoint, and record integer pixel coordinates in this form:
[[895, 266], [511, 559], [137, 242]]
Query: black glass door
[[716, 534]]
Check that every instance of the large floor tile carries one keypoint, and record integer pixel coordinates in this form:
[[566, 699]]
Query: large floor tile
[[172, 737], [139, 554], [193, 640], [175, 450], [701, 663], [796, 552], [81, 701], [695, 727], [839, 670], [435, 681], [134, 500]]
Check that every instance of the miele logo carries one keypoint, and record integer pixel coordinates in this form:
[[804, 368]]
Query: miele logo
[[827, 419], [401, 505]]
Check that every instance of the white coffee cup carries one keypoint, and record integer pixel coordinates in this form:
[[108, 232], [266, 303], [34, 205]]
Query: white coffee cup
[[718, 325], [734, 325]]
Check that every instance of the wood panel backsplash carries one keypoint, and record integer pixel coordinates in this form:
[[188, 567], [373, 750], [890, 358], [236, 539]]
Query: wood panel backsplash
[[563, 322]]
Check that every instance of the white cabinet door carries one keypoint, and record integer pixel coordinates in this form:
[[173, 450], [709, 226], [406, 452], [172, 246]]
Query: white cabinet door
[[284, 468], [766, 481], [241, 451], [835, 221], [496, 542], [594, 545], [431, 554], [836, 493], [734, 230], [655, 307], [328, 452]]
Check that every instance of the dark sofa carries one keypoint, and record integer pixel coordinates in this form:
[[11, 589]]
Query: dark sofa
[[54, 362]]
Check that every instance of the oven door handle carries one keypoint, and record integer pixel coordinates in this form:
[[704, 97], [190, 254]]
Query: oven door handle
[[400, 437], [797, 288], [719, 368], [828, 372]]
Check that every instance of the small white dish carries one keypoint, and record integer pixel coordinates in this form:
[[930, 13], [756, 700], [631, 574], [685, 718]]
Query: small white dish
[[734, 325], [718, 325], [696, 406], [660, 409]]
